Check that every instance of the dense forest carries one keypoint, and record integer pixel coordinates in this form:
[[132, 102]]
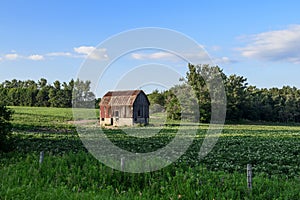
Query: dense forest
[[42, 94], [244, 102]]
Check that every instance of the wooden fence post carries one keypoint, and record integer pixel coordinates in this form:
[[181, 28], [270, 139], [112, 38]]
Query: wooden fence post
[[249, 176], [122, 163], [41, 157]]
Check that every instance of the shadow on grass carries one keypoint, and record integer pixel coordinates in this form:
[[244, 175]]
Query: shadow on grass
[[44, 128]]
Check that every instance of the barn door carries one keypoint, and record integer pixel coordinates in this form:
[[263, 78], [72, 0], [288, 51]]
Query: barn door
[[111, 121]]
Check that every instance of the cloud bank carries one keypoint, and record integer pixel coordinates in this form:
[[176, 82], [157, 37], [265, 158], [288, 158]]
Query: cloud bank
[[91, 52], [88, 52], [201, 56], [279, 45]]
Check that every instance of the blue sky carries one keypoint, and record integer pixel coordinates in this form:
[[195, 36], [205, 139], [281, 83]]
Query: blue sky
[[259, 40]]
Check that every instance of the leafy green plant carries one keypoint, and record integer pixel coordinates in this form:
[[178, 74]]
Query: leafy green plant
[[5, 126]]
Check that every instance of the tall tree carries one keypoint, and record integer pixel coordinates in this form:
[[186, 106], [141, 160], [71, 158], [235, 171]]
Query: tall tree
[[236, 97], [82, 96], [204, 79], [42, 97]]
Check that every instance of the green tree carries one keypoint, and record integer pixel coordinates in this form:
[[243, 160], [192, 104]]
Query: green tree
[[252, 107], [182, 103], [42, 97], [236, 97], [82, 96], [14, 96], [172, 106], [68, 89], [156, 98], [42, 83], [204, 80], [157, 101], [56, 95], [4, 95]]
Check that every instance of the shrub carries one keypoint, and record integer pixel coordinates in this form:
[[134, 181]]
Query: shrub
[[5, 126]]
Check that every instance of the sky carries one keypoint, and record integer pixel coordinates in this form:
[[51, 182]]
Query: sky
[[259, 40]]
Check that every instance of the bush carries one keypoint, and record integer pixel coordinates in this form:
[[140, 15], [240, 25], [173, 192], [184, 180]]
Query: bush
[[5, 126]]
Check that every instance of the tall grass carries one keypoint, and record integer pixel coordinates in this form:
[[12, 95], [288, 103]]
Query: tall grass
[[80, 176]]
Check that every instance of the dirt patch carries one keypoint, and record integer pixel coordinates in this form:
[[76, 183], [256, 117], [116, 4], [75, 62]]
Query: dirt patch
[[85, 121]]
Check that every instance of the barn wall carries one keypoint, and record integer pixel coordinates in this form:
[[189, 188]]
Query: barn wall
[[105, 111], [123, 122], [125, 111], [105, 122], [117, 121], [141, 109], [141, 120], [102, 112]]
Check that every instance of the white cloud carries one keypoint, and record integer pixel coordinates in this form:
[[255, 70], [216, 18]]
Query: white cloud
[[11, 56], [199, 56], [154, 56], [63, 54], [280, 45], [36, 57], [92, 52], [15, 56], [89, 52], [84, 49], [223, 60]]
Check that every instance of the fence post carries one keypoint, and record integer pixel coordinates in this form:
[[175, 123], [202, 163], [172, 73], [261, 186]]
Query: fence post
[[249, 176], [41, 157], [122, 163]]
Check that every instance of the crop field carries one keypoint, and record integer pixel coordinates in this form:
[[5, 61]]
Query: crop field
[[69, 171]]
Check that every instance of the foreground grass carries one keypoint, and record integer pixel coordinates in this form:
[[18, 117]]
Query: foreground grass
[[80, 176], [70, 172]]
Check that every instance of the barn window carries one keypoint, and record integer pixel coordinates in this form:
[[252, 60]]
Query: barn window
[[102, 119], [116, 113]]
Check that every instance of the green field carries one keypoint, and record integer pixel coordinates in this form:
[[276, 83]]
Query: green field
[[70, 172]]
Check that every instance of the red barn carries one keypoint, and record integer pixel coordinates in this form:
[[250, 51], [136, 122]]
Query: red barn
[[120, 108]]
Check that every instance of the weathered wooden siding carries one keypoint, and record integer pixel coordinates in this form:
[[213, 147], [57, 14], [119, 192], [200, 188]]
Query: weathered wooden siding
[[105, 111], [123, 111]]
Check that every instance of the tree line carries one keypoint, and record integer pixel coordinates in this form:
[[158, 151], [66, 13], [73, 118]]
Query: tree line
[[43, 94], [244, 101]]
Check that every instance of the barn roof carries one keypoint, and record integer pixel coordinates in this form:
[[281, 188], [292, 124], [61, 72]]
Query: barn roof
[[118, 98]]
